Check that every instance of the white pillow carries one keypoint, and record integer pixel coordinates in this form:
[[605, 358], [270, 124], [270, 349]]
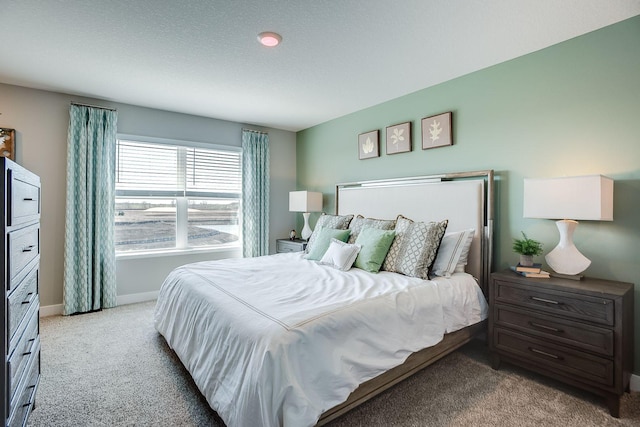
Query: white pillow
[[340, 255], [453, 253]]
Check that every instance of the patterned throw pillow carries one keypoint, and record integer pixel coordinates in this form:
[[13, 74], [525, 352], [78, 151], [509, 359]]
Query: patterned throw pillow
[[453, 252], [414, 247], [360, 222], [337, 222]]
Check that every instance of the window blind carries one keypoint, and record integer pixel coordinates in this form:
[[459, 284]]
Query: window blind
[[161, 170]]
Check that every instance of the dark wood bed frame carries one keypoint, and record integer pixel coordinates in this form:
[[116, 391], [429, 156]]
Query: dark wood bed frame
[[452, 341]]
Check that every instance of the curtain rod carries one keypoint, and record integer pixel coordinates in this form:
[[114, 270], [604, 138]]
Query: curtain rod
[[254, 131], [93, 106]]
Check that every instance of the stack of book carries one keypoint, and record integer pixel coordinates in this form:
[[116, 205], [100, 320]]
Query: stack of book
[[535, 271]]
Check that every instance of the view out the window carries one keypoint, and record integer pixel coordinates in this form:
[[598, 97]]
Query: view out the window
[[172, 196]]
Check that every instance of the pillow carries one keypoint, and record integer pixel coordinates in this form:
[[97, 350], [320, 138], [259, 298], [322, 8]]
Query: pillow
[[323, 240], [375, 245], [360, 222], [414, 247], [338, 222], [340, 255], [453, 252]]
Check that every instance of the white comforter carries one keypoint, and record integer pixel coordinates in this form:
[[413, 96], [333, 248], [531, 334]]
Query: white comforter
[[278, 340]]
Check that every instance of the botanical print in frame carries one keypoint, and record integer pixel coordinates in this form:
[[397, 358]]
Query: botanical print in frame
[[399, 138], [7, 143], [436, 131], [368, 145]]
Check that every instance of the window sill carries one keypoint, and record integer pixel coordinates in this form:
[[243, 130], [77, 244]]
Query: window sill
[[178, 252]]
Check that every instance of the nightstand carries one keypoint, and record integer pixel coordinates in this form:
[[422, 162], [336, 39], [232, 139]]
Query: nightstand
[[288, 245], [578, 332]]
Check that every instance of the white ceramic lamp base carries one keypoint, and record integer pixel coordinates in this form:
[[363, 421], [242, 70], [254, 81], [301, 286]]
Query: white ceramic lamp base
[[306, 230], [566, 258]]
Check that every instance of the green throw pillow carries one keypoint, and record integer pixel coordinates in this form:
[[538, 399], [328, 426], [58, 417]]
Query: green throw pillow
[[323, 240], [375, 245]]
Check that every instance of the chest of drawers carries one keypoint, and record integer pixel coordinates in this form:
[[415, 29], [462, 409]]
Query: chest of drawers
[[579, 332], [20, 309]]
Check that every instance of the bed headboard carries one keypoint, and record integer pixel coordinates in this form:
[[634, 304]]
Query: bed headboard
[[464, 198]]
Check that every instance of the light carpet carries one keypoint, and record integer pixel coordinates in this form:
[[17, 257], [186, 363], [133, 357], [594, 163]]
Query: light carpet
[[112, 368]]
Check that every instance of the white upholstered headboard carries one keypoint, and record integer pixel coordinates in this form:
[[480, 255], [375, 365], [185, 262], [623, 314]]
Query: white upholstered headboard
[[465, 199]]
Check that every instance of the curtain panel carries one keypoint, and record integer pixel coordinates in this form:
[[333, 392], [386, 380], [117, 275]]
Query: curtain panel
[[89, 250], [255, 193]]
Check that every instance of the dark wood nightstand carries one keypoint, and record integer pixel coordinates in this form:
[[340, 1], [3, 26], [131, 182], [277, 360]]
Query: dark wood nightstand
[[288, 245], [578, 332]]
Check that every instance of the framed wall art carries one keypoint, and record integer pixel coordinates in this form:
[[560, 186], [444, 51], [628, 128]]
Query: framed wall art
[[368, 145], [7, 143], [399, 138], [436, 131]]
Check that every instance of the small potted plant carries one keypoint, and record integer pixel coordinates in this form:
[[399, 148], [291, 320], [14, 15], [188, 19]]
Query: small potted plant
[[527, 248]]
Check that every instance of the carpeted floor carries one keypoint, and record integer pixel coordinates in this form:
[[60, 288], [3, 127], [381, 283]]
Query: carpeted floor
[[112, 368]]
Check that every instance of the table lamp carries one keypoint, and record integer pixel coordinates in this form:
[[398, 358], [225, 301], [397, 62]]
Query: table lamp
[[569, 199], [306, 202]]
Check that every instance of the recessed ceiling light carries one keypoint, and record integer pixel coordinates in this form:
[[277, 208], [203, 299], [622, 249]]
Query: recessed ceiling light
[[269, 39]]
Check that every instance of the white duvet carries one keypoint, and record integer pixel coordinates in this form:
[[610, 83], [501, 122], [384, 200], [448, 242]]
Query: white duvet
[[278, 340]]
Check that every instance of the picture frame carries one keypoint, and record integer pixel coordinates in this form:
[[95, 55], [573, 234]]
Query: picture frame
[[437, 131], [7, 143], [399, 138], [369, 145]]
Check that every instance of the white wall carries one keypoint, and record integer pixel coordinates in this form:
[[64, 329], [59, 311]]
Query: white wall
[[41, 120]]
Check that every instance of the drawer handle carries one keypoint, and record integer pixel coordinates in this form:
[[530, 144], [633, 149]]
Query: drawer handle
[[549, 328], [29, 199], [27, 404], [548, 301], [544, 353], [28, 248], [26, 354], [29, 300]]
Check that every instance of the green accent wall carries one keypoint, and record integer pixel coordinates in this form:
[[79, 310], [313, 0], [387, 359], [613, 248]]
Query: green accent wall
[[570, 109]]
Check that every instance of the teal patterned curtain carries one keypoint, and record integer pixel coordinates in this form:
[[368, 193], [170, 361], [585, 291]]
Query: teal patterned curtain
[[255, 193], [89, 250]]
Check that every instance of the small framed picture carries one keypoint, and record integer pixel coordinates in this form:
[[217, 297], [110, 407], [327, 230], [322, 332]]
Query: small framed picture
[[436, 131], [7, 143], [399, 138], [368, 145]]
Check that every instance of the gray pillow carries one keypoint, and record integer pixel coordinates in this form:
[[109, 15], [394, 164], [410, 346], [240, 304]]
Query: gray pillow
[[360, 222], [337, 222], [415, 247]]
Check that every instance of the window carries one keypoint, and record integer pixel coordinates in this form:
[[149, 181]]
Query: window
[[175, 195]]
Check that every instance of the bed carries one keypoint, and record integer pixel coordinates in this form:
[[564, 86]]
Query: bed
[[284, 341]]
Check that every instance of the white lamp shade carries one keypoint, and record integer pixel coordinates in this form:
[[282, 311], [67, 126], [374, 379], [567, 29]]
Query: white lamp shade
[[305, 201], [587, 197]]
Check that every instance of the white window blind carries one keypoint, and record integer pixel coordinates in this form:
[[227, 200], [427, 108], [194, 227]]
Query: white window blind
[[161, 170]]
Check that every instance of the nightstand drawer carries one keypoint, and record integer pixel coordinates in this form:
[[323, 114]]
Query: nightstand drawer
[[565, 361], [564, 304], [579, 335], [283, 246]]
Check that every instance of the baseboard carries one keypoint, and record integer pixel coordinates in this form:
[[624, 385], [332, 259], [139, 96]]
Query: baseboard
[[58, 309], [634, 384], [134, 298], [51, 310]]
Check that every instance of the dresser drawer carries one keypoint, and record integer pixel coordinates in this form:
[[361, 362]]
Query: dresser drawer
[[23, 400], [591, 338], [24, 203], [24, 247], [26, 346], [565, 304], [21, 300], [565, 361]]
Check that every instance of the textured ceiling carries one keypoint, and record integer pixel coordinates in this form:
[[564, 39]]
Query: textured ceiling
[[201, 56]]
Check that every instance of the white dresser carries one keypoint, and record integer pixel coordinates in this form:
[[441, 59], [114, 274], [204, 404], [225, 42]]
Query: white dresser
[[21, 304]]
